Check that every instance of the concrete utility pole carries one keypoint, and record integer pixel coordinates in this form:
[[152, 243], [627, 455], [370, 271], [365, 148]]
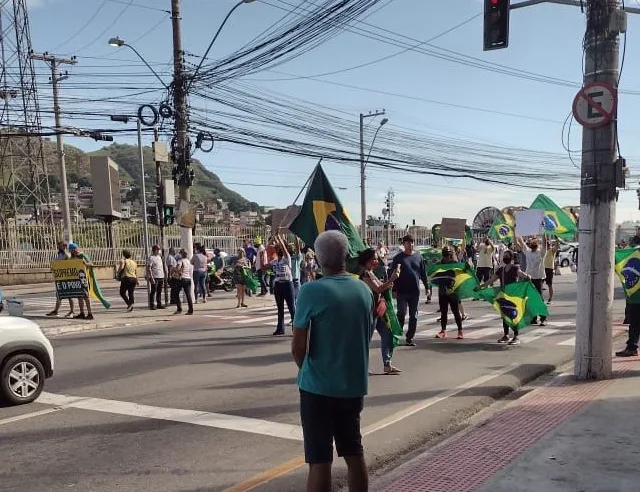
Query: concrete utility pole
[[363, 165], [181, 145], [597, 203], [390, 205], [54, 62]]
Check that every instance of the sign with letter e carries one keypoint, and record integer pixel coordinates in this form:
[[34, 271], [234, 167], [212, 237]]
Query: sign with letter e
[[595, 105]]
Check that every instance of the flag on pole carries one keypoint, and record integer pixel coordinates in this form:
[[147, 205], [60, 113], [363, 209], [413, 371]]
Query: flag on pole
[[455, 278], [556, 221], [628, 271], [517, 303], [502, 231]]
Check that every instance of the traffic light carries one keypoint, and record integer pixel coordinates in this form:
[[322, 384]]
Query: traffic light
[[496, 24], [168, 214]]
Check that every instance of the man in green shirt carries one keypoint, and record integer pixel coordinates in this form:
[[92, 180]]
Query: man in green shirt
[[332, 328]]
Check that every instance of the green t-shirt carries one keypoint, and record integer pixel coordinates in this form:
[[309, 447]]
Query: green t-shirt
[[339, 311]]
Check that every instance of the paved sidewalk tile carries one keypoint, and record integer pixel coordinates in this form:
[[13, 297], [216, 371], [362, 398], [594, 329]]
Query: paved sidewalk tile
[[466, 461]]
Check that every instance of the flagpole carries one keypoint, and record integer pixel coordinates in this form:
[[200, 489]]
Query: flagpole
[[304, 186]]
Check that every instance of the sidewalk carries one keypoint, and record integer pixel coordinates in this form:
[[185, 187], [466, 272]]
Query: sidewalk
[[566, 436], [117, 317]]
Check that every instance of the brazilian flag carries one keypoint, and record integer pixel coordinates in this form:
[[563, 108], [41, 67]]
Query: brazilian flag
[[322, 211], [455, 278], [502, 231], [556, 221], [518, 303], [628, 271], [430, 255]]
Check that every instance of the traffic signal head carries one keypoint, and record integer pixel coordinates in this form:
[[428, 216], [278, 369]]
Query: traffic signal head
[[496, 24], [167, 214]]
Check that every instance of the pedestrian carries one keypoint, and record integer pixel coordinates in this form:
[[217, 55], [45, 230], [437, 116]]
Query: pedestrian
[[330, 346], [460, 256], [62, 255], [309, 267], [507, 274], [296, 267], [199, 262], [185, 270], [83, 301], [262, 265], [128, 276], [171, 262], [448, 298], [407, 286], [283, 283], [368, 261], [485, 260], [155, 277], [549, 266], [239, 276], [470, 251], [535, 268]]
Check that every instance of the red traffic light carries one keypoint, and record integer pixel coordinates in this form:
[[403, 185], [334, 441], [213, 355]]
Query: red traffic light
[[495, 2]]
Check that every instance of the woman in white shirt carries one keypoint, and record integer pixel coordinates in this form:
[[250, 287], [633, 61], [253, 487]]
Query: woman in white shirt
[[185, 270], [283, 285]]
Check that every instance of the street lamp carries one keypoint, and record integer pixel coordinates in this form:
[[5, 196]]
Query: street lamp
[[118, 43], [145, 223], [363, 165]]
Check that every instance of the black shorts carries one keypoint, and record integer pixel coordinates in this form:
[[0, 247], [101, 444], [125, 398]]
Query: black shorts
[[325, 419], [549, 276]]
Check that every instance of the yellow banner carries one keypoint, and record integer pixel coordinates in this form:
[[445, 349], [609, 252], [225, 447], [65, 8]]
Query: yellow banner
[[71, 278]]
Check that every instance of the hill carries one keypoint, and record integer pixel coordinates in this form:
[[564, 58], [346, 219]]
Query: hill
[[207, 184]]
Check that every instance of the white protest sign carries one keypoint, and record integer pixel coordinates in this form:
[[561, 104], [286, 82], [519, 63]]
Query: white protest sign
[[529, 222]]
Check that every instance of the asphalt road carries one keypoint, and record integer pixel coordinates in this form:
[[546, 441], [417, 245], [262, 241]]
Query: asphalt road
[[209, 402]]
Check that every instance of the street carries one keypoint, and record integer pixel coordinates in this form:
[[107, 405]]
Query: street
[[209, 402]]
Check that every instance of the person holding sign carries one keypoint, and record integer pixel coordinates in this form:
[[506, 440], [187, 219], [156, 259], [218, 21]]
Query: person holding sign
[[62, 255], [535, 267]]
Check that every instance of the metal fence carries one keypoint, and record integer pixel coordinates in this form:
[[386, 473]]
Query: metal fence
[[34, 246]]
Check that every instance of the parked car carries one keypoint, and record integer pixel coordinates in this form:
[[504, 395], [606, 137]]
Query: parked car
[[26, 360], [565, 255]]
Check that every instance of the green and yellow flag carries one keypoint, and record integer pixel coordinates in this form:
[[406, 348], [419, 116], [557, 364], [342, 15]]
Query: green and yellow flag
[[431, 255], [502, 231], [517, 303], [322, 211], [556, 221], [455, 278], [628, 271]]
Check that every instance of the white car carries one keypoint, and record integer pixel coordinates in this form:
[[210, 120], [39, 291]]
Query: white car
[[565, 255], [26, 360]]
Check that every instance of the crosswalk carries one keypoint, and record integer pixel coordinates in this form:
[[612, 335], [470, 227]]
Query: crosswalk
[[480, 328]]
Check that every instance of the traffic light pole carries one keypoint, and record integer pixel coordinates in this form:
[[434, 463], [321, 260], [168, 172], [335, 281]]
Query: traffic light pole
[[597, 204], [145, 221], [160, 215]]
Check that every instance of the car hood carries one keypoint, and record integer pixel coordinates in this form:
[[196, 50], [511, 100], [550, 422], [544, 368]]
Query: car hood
[[13, 323]]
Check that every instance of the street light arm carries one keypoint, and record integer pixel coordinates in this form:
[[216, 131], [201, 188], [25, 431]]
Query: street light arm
[[375, 135], [204, 57], [145, 62]]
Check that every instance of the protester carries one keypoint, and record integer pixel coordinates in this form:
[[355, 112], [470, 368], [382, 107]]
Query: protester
[[407, 287], [185, 270], [368, 262], [155, 277], [330, 346], [382, 252], [507, 274], [447, 298], [262, 266], [309, 267], [535, 268], [199, 262], [485, 260], [173, 274], [62, 255], [82, 301], [128, 276], [296, 266], [470, 250], [283, 283], [239, 275], [549, 266]]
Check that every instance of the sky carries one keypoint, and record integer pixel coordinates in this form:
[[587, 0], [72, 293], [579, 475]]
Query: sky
[[416, 91]]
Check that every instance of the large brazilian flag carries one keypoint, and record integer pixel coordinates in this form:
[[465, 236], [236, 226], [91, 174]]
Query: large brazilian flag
[[322, 211], [628, 271], [517, 303], [455, 278], [556, 221], [502, 231]]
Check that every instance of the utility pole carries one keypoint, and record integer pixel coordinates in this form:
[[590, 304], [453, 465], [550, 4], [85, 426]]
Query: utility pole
[[597, 201], [363, 164], [160, 206], [54, 62], [390, 203], [181, 147]]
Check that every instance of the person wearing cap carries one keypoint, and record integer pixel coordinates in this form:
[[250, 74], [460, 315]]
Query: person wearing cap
[[75, 252], [407, 287], [155, 277]]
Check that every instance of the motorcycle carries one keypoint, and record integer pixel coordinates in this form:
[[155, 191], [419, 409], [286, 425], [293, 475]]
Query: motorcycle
[[223, 282]]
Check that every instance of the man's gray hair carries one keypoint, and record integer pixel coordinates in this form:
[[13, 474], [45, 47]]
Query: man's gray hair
[[331, 249]]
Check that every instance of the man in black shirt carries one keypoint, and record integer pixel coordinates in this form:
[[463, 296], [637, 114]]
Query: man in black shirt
[[407, 287]]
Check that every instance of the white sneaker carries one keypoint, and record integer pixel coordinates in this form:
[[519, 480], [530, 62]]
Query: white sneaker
[[514, 341]]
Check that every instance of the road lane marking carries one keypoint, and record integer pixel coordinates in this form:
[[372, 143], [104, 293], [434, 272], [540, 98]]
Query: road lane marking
[[570, 342], [297, 463], [219, 316], [255, 320], [25, 416], [538, 333], [194, 417]]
